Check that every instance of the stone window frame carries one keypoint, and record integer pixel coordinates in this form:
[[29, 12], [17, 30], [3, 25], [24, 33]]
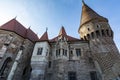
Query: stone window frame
[[78, 52], [39, 51]]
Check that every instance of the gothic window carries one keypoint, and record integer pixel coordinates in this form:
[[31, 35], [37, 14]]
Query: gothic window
[[39, 52], [5, 67], [78, 52], [49, 64], [93, 75], [72, 75]]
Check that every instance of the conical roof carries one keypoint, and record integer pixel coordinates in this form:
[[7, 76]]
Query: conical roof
[[44, 37], [89, 14], [64, 34], [62, 31]]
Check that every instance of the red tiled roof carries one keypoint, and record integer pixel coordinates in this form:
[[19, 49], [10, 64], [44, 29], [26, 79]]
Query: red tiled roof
[[44, 37], [31, 35], [63, 34], [14, 26]]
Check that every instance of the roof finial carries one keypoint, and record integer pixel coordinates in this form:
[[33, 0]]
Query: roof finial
[[15, 17], [29, 27], [46, 29]]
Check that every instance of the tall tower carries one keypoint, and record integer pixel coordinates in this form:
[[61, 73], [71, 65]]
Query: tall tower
[[97, 31]]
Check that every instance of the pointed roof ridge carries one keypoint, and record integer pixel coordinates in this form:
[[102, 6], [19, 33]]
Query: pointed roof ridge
[[44, 37], [62, 31], [89, 14]]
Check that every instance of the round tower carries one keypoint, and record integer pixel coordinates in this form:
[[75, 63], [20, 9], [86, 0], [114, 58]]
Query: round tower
[[93, 25], [97, 31]]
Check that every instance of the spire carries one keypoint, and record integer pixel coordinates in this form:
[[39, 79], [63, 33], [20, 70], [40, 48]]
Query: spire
[[44, 37], [83, 2], [62, 31], [88, 14]]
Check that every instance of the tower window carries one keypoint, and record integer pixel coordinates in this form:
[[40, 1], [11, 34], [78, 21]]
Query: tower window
[[92, 34], [72, 76], [103, 34], [39, 52], [97, 33], [93, 75], [88, 36], [78, 52], [107, 31], [98, 26], [88, 29]]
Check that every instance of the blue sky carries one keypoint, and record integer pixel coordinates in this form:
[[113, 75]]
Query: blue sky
[[53, 14]]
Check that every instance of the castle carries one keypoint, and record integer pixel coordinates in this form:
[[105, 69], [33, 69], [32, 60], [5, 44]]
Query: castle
[[23, 56]]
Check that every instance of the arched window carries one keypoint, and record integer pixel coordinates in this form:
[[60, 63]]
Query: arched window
[[98, 26], [92, 34], [88, 36], [103, 34], [5, 67], [97, 33]]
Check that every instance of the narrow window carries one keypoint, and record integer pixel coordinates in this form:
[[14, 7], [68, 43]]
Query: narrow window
[[5, 67], [59, 52], [65, 52], [39, 52], [93, 75], [92, 34], [56, 52], [103, 34], [49, 64], [88, 36], [78, 52], [88, 29], [107, 31], [72, 76]]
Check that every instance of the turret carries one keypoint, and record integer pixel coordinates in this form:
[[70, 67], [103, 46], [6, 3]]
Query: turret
[[92, 25]]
